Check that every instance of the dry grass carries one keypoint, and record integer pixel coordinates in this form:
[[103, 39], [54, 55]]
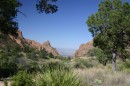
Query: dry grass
[[102, 76]]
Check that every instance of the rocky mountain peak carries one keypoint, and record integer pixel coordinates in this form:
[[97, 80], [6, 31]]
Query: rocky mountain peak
[[83, 49], [32, 43], [46, 43]]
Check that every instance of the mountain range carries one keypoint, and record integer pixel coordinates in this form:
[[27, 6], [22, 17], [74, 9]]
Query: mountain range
[[66, 52]]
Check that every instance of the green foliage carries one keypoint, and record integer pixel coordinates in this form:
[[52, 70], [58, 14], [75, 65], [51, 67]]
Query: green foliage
[[97, 82], [28, 49], [9, 55], [43, 54], [127, 64], [5, 83], [32, 55], [22, 78], [57, 76], [8, 12], [110, 27], [81, 63], [99, 54], [33, 67], [8, 64], [51, 55], [46, 6]]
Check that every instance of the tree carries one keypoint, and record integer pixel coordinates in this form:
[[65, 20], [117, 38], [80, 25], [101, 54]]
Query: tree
[[99, 54], [10, 8], [8, 12], [110, 28], [46, 6]]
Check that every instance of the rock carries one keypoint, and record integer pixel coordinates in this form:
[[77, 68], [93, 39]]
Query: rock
[[46, 45], [33, 44], [83, 49], [20, 40]]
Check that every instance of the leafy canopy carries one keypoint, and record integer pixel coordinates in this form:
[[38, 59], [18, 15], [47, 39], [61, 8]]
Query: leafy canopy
[[10, 8], [8, 12], [110, 26]]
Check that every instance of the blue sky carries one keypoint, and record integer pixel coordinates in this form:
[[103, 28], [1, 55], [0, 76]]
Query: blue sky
[[64, 29]]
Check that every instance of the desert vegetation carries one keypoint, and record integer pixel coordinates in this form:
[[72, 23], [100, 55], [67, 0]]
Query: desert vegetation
[[24, 65], [82, 71]]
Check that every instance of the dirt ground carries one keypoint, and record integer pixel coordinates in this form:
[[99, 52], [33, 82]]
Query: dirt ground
[[2, 83]]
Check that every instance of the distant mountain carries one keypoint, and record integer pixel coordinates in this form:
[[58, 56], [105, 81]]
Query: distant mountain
[[66, 52]]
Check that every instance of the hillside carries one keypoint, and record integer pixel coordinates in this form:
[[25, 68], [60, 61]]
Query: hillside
[[83, 49], [46, 45], [19, 40]]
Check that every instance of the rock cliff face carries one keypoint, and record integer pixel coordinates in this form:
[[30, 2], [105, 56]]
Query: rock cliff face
[[19, 39], [46, 45], [83, 49], [23, 41], [33, 44]]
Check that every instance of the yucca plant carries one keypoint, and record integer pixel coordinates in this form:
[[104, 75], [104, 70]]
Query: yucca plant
[[59, 76], [22, 78]]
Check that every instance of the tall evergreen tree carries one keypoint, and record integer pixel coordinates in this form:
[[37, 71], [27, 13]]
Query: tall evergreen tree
[[8, 12], [110, 27], [10, 8]]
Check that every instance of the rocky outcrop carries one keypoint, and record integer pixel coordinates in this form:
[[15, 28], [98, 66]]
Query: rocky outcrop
[[33, 44], [83, 49], [20, 40], [46, 45]]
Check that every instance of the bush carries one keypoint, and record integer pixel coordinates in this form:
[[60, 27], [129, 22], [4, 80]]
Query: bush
[[101, 56], [81, 63], [8, 66], [22, 78], [43, 54], [57, 76], [5, 83]]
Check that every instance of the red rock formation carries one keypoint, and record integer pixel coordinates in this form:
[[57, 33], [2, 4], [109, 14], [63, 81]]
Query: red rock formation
[[46, 45], [83, 49], [33, 44], [19, 39], [22, 41]]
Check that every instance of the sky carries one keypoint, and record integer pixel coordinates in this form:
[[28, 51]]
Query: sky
[[66, 28]]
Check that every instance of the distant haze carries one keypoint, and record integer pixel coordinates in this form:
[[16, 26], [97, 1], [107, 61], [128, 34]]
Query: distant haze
[[66, 52]]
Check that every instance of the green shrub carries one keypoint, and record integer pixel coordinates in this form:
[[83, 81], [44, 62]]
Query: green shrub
[[5, 83], [8, 65], [97, 82], [53, 65], [57, 76], [81, 63], [22, 78], [43, 54], [33, 67], [99, 54], [127, 64]]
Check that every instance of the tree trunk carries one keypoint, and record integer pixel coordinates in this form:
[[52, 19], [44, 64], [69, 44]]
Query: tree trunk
[[114, 61]]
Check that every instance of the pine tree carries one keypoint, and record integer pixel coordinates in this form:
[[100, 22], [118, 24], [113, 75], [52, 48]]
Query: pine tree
[[110, 27]]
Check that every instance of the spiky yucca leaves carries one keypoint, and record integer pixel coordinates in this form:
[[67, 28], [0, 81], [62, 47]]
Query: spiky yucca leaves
[[59, 76]]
